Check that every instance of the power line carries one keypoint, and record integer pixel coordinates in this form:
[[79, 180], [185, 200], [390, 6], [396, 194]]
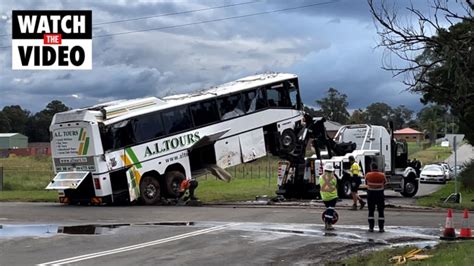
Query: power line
[[212, 20], [176, 13], [219, 19], [165, 15]]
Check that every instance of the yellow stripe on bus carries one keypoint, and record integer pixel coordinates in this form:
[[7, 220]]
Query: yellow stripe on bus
[[83, 135], [81, 146], [125, 160]]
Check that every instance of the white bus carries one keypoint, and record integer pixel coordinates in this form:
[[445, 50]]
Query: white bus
[[142, 149]]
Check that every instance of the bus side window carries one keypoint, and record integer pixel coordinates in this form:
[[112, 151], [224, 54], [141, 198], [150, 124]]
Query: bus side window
[[230, 106], [293, 94], [122, 134], [147, 127], [261, 98], [204, 112], [177, 119], [278, 96], [250, 101]]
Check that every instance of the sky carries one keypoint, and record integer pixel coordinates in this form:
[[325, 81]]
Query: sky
[[332, 44]]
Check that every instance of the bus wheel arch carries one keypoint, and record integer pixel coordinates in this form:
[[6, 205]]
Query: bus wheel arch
[[174, 175], [150, 188]]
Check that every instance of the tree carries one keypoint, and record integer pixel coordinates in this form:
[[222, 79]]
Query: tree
[[334, 106], [431, 120], [400, 116], [4, 123], [358, 117], [17, 118], [378, 114], [312, 112], [439, 66], [38, 124]]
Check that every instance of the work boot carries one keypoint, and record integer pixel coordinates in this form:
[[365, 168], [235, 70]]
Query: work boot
[[362, 204], [371, 230], [381, 230], [329, 227], [354, 207]]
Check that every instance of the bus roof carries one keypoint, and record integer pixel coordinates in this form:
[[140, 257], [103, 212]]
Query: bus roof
[[123, 109]]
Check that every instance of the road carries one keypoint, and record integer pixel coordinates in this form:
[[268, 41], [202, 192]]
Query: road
[[48, 233], [465, 153]]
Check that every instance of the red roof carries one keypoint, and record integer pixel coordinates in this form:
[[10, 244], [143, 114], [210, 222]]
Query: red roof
[[407, 131]]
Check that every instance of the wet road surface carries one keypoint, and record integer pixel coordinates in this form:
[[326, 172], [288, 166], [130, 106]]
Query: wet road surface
[[235, 235]]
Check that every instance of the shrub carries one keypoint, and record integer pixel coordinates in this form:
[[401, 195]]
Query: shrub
[[467, 176]]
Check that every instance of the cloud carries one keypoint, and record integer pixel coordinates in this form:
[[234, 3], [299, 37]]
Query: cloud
[[327, 46]]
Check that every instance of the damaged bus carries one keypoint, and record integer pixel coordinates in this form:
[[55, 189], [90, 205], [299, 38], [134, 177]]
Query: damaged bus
[[142, 149]]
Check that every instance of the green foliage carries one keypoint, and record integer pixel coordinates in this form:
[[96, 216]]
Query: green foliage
[[17, 118], [358, 117], [431, 119], [378, 114], [447, 73], [334, 106], [467, 176], [5, 126], [400, 116]]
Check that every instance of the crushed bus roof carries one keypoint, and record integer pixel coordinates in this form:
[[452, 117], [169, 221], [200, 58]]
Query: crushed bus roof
[[119, 110]]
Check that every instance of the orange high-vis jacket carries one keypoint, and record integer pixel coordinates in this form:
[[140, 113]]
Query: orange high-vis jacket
[[375, 180]]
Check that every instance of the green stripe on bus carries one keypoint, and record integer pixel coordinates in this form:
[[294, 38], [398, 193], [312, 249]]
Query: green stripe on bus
[[80, 134], [86, 146], [133, 157]]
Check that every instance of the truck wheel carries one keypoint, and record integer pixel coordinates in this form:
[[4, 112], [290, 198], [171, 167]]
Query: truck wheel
[[150, 190], [410, 188], [287, 141], [173, 181], [344, 188]]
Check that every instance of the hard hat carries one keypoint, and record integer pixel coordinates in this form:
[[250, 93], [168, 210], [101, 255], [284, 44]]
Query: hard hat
[[329, 167]]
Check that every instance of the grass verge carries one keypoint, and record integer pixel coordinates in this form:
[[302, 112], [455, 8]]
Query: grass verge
[[433, 154], [29, 196], [436, 199], [446, 253]]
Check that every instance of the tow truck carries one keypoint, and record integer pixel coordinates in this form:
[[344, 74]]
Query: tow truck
[[298, 175]]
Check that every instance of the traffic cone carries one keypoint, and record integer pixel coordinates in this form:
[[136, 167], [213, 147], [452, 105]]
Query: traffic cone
[[466, 228], [449, 232]]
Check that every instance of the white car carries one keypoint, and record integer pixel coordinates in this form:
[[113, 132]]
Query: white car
[[433, 173], [447, 169]]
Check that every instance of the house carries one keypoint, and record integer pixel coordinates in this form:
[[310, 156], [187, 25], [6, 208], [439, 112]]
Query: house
[[13, 141], [408, 135]]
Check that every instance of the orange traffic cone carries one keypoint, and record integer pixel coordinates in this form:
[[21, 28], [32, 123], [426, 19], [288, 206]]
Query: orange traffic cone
[[466, 228], [449, 232]]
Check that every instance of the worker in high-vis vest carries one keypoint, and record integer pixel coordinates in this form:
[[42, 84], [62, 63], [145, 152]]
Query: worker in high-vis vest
[[355, 183], [375, 181], [328, 190]]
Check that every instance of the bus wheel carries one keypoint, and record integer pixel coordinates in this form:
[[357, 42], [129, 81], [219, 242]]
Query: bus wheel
[[150, 190], [344, 188], [288, 140], [173, 181]]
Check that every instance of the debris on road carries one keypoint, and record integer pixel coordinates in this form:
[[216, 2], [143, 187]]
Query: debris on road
[[410, 255]]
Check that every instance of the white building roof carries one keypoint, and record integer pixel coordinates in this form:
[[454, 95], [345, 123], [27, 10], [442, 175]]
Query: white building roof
[[8, 135]]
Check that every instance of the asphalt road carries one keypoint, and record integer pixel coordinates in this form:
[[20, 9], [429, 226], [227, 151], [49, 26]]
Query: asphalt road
[[47, 233], [464, 154]]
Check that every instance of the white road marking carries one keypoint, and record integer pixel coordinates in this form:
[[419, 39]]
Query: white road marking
[[137, 246]]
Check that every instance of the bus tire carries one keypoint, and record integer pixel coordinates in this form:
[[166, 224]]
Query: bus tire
[[410, 187], [150, 190], [173, 180], [344, 188], [288, 140]]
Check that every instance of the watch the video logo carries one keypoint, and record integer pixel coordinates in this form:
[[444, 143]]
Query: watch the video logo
[[52, 39]]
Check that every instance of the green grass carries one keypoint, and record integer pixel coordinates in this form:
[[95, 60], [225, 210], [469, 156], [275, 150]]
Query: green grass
[[26, 177], [436, 199], [432, 154], [414, 147], [238, 189], [29, 196], [26, 173], [447, 253]]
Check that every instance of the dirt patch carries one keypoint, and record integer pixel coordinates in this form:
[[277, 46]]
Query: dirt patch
[[323, 253]]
